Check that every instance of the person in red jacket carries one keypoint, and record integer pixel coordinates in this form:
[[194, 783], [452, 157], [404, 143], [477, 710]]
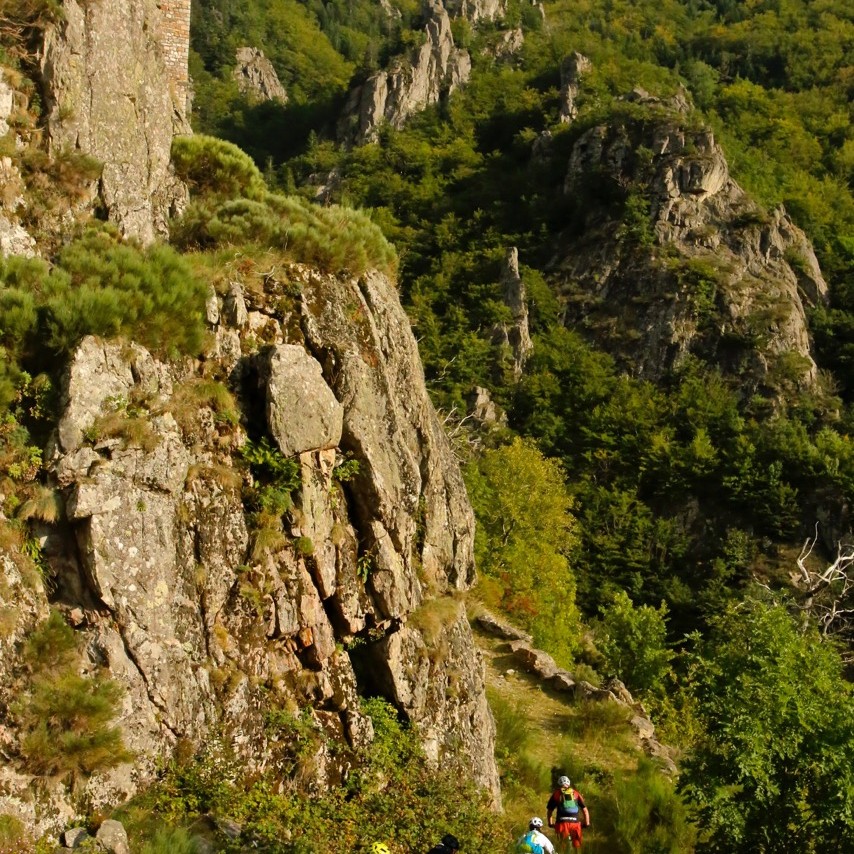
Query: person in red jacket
[[571, 814]]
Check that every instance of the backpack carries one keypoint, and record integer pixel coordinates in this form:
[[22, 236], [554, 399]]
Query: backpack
[[527, 843]]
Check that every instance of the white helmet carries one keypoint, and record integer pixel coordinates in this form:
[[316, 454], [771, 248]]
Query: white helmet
[[536, 823], [563, 782]]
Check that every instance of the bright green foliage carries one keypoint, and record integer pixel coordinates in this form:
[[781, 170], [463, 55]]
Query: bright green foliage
[[214, 167], [642, 812], [170, 840], [331, 238], [634, 642], [64, 717], [271, 465], [525, 537], [99, 286], [773, 767]]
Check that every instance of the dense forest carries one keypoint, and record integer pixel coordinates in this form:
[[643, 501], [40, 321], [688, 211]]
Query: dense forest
[[644, 529]]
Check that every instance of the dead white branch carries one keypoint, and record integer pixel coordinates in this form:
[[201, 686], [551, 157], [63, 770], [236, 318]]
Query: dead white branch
[[828, 592]]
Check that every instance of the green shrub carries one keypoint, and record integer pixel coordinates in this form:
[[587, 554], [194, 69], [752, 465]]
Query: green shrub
[[390, 793], [103, 286], [642, 812], [332, 238], [64, 717], [634, 642], [170, 840], [111, 288], [216, 168], [271, 465]]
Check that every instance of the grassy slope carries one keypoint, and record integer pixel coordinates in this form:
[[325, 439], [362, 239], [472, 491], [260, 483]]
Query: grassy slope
[[542, 733]]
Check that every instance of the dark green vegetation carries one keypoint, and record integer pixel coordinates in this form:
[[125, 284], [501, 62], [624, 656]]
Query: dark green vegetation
[[658, 507]]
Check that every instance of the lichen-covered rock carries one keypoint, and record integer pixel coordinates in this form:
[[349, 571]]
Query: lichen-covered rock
[[412, 83], [109, 94], [302, 412], [113, 836], [734, 282], [14, 239], [256, 77], [208, 620], [434, 673]]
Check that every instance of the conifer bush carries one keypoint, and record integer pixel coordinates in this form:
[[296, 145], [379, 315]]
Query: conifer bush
[[66, 718], [216, 168], [103, 286], [335, 239]]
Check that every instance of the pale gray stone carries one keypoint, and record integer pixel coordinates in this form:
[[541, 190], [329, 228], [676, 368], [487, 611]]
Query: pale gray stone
[[234, 306], [108, 94], [302, 412], [7, 102], [113, 836], [256, 77], [74, 837], [14, 239], [572, 70]]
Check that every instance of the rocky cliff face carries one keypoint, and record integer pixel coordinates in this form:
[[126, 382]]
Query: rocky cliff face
[[206, 624], [477, 10], [676, 259], [109, 92], [412, 83], [256, 77]]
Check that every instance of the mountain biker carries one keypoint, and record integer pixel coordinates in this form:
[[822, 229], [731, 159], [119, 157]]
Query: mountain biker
[[448, 845], [570, 806], [534, 841], [379, 848]]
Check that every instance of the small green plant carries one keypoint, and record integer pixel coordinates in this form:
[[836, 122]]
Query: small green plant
[[269, 463], [634, 642], [346, 470], [64, 717], [305, 546], [365, 566], [171, 840]]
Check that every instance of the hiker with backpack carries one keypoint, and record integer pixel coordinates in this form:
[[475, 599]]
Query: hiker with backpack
[[534, 842], [570, 808]]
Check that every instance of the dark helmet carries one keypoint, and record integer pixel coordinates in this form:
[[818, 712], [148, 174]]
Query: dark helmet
[[451, 841]]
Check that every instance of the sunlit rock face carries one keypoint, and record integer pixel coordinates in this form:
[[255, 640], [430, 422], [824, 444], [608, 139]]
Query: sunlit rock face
[[412, 82], [115, 89], [673, 258], [159, 562]]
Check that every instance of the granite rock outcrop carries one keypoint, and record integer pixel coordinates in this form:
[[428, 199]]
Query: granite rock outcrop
[[110, 92], [177, 596], [676, 259], [256, 77], [411, 83]]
